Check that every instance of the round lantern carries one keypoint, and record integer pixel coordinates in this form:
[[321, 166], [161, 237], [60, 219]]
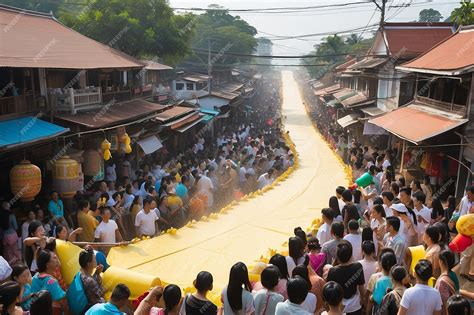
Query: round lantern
[[66, 176], [92, 163], [25, 180]]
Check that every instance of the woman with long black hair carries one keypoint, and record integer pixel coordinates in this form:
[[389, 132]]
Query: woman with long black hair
[[334, 205], [296, 253], [236, 297]]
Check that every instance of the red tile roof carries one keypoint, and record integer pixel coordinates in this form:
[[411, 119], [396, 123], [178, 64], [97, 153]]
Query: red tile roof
[[453, 56], [38, 40]]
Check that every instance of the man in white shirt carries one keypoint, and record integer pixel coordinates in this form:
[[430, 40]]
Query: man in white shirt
[[355, 239], [107, 231], [324, 231], [387, 198], [145, 221], [423, 214], [110, 173], [421, 299], [297, 291], [206, 187], [339, 191], [265, 179], [467, 201]]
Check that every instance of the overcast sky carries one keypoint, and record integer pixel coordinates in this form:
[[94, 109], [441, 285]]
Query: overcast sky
[[318, 20]]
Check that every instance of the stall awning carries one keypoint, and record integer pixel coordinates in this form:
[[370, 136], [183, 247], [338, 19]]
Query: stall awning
[[173, 113], [114, 113], [373, 111], [348, 120], [150, 144], [190, 125], [416, 122], [209, 111], [371, 129], [27, 130]]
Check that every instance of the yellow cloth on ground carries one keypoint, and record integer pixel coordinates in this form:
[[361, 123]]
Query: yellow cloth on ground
[[250, 228]]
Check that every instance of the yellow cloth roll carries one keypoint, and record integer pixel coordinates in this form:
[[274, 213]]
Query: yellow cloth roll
[[138, 283]]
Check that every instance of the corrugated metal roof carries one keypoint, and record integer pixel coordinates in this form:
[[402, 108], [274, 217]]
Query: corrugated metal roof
[[26, 130], [34, 40], [368, 63], [114, 114], [152, 65], [416, 122], [453, 56], [348, 120], [197, 77], [173, 113]]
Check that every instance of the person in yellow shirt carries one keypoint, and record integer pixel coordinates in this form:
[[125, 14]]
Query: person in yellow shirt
[[85, 221]]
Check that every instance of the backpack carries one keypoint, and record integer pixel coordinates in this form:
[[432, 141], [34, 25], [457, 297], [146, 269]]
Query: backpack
[[76, 296]]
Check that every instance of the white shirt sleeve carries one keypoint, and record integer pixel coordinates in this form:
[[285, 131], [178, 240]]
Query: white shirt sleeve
[[97, 232], [439, 302], [405, 302], [138, 219]]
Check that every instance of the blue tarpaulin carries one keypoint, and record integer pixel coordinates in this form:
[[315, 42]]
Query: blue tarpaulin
[[209, 111], [25, 130]]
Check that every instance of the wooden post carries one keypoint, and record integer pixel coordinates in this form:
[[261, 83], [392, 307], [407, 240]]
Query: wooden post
[[71, 97], [403, 154]]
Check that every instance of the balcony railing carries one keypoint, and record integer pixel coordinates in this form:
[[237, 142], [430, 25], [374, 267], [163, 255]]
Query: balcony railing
[[17, 104], [118, 96], [73, 100], [449, 107]]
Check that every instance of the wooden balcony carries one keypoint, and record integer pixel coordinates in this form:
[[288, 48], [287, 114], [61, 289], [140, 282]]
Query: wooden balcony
[[118, 96], [75, 100], [460, 110], [17, 104]]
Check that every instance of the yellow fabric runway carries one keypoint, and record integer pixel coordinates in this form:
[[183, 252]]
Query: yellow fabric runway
[[252, 227]]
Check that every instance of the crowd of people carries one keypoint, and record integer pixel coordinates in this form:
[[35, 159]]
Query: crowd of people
[[359, 261]]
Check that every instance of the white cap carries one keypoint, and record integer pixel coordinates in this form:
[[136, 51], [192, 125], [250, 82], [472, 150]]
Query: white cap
[[399, 207]]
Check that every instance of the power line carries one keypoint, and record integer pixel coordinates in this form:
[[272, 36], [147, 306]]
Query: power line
[[268, 56], [276, 9]]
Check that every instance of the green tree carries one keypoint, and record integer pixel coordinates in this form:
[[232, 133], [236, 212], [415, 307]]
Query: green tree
[[141, 28], [464, 15], [429, 15], [353, 39], [223, 33]]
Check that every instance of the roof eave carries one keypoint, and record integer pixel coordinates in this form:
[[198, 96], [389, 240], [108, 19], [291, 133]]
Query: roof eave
[[438, 72]]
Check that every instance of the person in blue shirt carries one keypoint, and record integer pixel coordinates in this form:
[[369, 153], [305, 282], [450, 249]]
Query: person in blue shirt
[[182, 188], [55, 206], [118, 300]]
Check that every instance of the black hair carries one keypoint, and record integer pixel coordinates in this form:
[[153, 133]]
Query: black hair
[[41, 303], [333, 293], [120, 293], [334, 205], [367, 234], [59, 229], [337, 228], [171, 296], [389, 195], [82, 204], [295, 248], [437, 208], [417, 183], [280, 262], [368, 248], [378, 201], [344, 251], [238, 277], [357, 195], [394, 186], [402, 181], [270, 277], [443, 233], [353, 225], [424, 269], [406, 190], [148, 200], [42, 259], [17, 270], [302, 271], [388, 260], [451, 203], [9, 292], [458, 305], [433, 233], [33, 226], [297, 289], [340, 189], [203, 281], [347, 195], [398, 273], [419, 196], [301, 234], [328, 213], [313, 244], [393, 222], [85, 257], [380, 209], [447, 257]]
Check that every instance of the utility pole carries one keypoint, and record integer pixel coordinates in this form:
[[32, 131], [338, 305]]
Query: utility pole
[[382, 10], [209, 65]]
